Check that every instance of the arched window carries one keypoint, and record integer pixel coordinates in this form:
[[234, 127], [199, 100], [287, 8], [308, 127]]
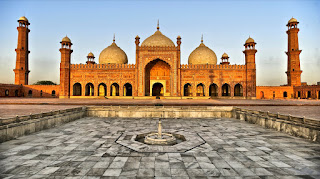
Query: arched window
[[226, 90], [213, 90], [200, 89], [238, 90], [261, 95], [309, 94], [6, 92], [187, 90], [127, 89], [30, 93], [77, 89], [114, 90], [102, 89], [53, 93], [285, 94], [89, 89]]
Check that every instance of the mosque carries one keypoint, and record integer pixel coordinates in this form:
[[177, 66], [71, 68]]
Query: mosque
[[158, 72]]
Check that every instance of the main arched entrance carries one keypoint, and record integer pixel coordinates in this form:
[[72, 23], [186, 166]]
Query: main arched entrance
[[157, 73], [157, 89]]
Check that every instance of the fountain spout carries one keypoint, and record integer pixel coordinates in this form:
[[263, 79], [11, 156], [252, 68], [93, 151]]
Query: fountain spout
[[159, 130]]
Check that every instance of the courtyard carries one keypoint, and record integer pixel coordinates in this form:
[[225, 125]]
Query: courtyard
[[88, 148]]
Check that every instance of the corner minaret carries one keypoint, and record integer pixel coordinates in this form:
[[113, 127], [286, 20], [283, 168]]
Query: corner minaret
[[65, 67], [22, 62], [250, 57], [293, 72]]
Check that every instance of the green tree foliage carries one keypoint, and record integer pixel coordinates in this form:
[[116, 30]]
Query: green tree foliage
[[45, 83]]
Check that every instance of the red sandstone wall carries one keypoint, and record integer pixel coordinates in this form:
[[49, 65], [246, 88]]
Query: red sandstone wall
[[12, 90], [307, 92], [274, 92], [38, 91]]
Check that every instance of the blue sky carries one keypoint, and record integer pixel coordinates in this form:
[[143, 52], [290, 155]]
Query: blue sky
[[225, 26]]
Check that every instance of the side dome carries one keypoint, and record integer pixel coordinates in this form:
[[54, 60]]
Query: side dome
[[113, 54], [202, 55], [158, 40]]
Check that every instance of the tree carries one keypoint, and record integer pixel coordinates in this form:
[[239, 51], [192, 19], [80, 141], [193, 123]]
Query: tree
[[45, 83]]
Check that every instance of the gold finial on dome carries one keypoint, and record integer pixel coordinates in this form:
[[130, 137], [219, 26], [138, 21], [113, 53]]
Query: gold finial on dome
[[114, 38], [158, 28], [202, 38]]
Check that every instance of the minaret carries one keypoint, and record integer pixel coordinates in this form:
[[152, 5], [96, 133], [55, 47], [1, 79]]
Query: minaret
[[65, 67], [250, 57], [22, 62], [293, 72]]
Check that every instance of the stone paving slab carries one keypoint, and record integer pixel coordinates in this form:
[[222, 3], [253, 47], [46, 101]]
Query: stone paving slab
[[86, 148]]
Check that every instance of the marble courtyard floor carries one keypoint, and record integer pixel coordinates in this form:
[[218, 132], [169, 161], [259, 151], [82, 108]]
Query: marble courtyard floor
[[87, 148]]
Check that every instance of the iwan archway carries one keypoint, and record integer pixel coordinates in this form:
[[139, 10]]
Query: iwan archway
[[157, 74]]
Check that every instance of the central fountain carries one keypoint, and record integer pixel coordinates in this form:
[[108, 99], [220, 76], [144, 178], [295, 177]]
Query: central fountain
[[160, 138]]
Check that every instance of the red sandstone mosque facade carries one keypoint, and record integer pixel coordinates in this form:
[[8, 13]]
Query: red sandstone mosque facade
[[158, 72]]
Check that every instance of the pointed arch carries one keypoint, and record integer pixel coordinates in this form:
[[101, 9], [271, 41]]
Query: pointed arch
[[77, 89], [226, 90], [213, 90], [89, 90], [187, 90], [200, 89], [114, 89], [102, 89], [238, 90], [127, 89]]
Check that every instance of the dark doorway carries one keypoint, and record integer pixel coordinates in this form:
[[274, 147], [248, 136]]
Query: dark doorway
[[187, 90], [157, 89], [213, 90], [200, 89], [53, 93], [30, 93], [16, 93], [89, 89], [238, 90], [77, 89], [127, 90], [114, 91], [309, 94], [226, 90], [285, 94], [299, 94], [102, 89], [6, 92]]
